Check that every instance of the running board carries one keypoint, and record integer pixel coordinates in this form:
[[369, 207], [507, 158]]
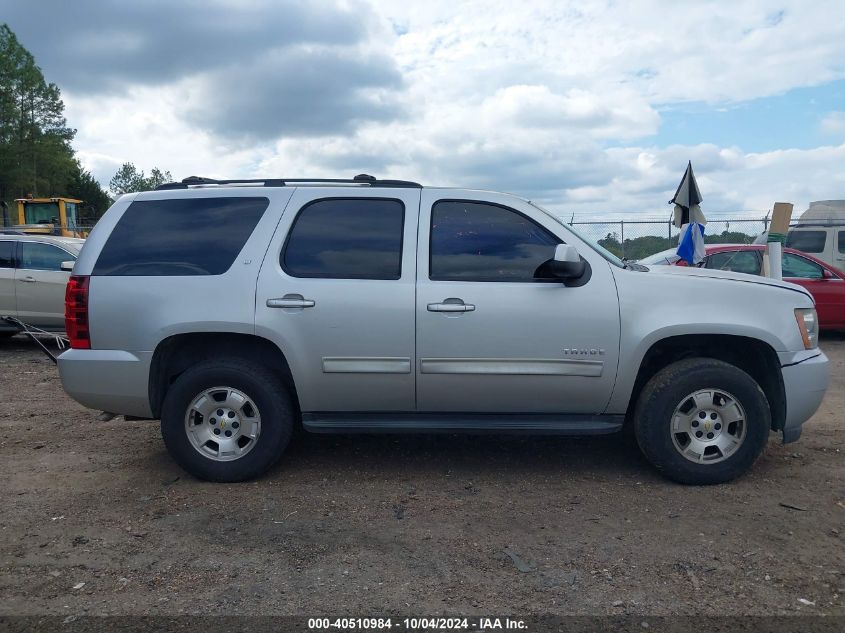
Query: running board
[[536, 423]]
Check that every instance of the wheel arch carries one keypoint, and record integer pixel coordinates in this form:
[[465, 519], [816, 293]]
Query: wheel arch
[[177, 353], [755, 357]]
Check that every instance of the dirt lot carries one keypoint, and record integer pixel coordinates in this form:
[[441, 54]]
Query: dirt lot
[[359, 524]]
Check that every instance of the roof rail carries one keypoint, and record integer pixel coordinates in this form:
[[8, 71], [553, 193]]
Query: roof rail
[[360, 179]]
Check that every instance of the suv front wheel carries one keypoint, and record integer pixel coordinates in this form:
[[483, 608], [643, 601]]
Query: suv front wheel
[[227, 420], [702, 421]]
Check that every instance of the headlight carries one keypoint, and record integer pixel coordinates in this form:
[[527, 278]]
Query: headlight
[[808, 325]]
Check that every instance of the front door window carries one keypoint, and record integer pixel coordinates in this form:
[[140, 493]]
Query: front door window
[[38, 256], [474, 241], [737, 261]]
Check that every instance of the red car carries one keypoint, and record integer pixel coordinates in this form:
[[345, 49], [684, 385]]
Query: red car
[[825, 283]]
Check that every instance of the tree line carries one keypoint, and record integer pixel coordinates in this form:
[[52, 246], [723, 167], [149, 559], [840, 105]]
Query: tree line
[[36, 155], [645, 245]]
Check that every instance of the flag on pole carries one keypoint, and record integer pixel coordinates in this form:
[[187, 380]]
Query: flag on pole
[[689, 218]]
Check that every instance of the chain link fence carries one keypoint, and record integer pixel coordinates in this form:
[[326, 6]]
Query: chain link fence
[[81, 229], [635, 239]]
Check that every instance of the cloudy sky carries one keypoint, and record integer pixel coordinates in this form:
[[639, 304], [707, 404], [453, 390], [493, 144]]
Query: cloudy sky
[[592, 107]]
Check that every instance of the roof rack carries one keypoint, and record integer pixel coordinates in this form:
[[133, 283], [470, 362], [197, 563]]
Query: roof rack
[[360, 179]]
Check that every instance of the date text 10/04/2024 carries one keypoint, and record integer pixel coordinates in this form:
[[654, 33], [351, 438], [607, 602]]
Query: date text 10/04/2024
[[417, 624]]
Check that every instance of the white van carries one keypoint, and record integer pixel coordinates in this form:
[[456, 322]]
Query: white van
[[821, 232]]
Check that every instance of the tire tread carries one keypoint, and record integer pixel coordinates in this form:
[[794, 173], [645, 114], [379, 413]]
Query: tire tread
[[276, 409], [662, 391]]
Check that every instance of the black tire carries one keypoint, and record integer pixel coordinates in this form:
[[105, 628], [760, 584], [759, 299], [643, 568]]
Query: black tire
[[664, 392], [261, 385]]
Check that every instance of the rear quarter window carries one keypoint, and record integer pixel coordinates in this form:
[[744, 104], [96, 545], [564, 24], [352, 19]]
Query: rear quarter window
[[183, 236]]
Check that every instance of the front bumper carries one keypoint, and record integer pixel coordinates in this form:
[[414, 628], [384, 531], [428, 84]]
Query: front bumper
[[805, 380], [108, 380]]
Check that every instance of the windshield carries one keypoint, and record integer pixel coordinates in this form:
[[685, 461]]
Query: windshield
[[41, 212], [72, 245], [613, 259]]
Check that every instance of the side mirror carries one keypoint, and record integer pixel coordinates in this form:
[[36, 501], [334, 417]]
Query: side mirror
[[566, 264], [826, 274], [68, 266]]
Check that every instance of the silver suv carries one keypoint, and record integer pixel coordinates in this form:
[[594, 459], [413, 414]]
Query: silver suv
[[235, 311]]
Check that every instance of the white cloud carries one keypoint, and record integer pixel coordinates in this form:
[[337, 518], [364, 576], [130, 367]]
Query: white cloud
[[702, 51], [552, 99], [146, 127], [834, 124], [730, 180]]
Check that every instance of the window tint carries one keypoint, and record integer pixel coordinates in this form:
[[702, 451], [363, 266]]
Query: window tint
[[807, 241], [352, 238], [473, 241], [797, 266], [7, 251], [841, 240], [737, 261], [36, 256], [70, 212], [187, 236], [41, 212]]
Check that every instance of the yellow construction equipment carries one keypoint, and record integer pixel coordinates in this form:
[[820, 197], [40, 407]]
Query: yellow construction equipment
[[49, 216]]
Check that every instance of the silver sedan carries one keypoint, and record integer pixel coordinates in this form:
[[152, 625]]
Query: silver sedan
[[34, 270]]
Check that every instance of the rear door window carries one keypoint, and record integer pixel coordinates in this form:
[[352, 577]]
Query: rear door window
[[346, 238], [182, 236], [806, 241], [737, 261], [38, 256], [7, 252], [841, 240]]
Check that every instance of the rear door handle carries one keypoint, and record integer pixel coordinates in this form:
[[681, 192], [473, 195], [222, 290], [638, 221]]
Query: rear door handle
[[291, 301], [451, 304], [29, 280]]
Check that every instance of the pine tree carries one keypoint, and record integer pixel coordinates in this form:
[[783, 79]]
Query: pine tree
[[35, 152]]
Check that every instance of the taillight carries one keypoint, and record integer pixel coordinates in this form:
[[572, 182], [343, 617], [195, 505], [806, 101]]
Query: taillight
[[76, 312]]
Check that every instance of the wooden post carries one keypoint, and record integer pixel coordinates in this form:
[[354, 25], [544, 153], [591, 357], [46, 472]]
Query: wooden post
[[781, 215]]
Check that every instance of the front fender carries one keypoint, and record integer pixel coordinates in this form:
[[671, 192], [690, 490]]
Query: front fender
[[656, 307]]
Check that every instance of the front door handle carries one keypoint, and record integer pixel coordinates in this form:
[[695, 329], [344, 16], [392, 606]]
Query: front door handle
[[291, 301], [452, 304], [29, 280]]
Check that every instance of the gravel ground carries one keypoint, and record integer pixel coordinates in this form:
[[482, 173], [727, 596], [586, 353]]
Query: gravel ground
[[96, 519]]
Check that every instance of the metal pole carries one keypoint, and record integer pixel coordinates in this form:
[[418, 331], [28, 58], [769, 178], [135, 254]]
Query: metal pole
[[622, 223]]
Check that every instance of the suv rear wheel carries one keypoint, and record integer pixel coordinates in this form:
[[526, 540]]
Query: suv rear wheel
[[227, 420], [702, 421]]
